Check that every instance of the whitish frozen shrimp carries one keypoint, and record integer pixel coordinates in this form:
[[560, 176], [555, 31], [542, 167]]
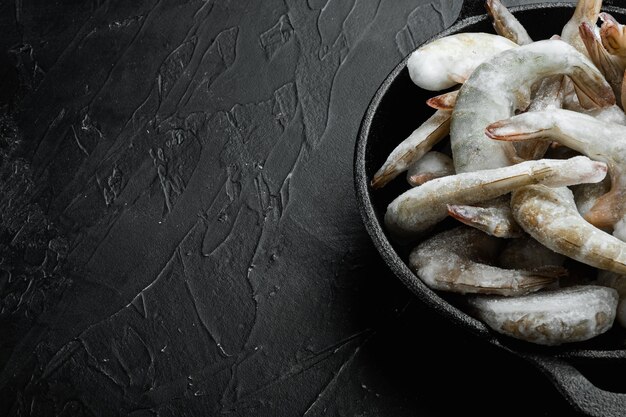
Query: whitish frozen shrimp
[[550, 216], [618, 283], [444, 101], [599, 140], [450, 60], [413, 148], [495, 218], [506, 24], [455, 261], [421, 207], [495, 89], [527, 253], [586, 12], [432, 165], [551, 317]]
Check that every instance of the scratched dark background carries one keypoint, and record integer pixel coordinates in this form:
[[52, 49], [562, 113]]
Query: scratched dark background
[[179, 234]]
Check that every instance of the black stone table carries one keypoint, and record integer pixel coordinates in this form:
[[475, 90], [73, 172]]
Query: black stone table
[[179, 232]]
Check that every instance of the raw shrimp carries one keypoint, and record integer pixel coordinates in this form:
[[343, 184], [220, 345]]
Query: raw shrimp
[[618, 283], [495, 219], [432, 165], [585, 134], [550, 216], [413, 148], [551, 317], [586, 12], [497, 87], [455, 261], [506, 24], [450, 60], [421, 207]]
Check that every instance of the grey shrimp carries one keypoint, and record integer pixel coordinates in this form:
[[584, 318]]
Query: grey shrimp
[[497, 87], [454, 261], [550, 216], [596, 139], [419, 208], [551, 317]]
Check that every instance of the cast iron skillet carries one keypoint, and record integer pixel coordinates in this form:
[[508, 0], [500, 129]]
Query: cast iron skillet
[[587, 373]]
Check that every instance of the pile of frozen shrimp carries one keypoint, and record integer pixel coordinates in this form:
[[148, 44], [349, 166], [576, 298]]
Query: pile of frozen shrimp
[[537, 174]]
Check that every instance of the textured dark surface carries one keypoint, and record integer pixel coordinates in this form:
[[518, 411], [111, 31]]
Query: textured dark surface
[[179, 230]]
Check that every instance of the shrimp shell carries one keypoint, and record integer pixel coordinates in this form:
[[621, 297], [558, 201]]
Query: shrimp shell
[[613, 35], [583, 133], [496, 88], [450, 60], [454, 261], [550, 216], [587, 11], [432, 165], [419, 208], [564, 315], [445, 101], [413, 148], [495, 219], [506, 24], [618, 283], [610, 66]]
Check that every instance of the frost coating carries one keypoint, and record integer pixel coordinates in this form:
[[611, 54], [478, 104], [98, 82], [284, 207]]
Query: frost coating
[[447, 61], [553, 317], [551, 217], [455, 261], [498, 87], [599, 140], [432, 165], [420, 208], [495, 218]]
